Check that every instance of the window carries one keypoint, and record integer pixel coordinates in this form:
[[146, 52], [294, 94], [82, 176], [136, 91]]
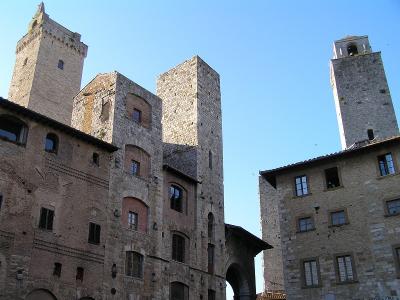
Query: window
[[393, 207], [133, 220], [61, 64], [210, 159], [352, 50], [310, 273], [210, 226], [370, 133], [396, 250], [105, 109], [135, 168], [338, 218], [345, 270], [46, 219], [25, 62], [134, 264], [179, 291], [94, 233], [79, 273], [332, 178], [175, 195], [178, 248], [51, 143], [301, 185], [96, 159], [12, 129], [211, 295], [137, 115], [386, 165], [305, 224], [210, 251], [57, 269], [1, 201]]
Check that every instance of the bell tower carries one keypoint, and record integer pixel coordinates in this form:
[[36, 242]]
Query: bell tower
[[363, 103], [48, 68]]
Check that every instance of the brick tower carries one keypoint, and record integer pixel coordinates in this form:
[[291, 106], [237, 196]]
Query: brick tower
[[48, 68], [192, 136], [363, 103]]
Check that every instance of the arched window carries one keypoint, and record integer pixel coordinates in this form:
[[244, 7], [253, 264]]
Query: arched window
[[134, 214], [210, 226], [134, 264], [51, 143], [352, 49], [179, 291], [137, 161], [178, 247], [13, 129], [61, 64], [138, 110]]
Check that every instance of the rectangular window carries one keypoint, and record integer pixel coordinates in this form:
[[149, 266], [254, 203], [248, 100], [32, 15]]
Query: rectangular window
[[332, 178], [175, 194], [310, 273], [301, 185], [135, 167], [46, 219], [345, 268], [105, 109], [210, 251], [79, 273], [386, 165], [1, 201], [397, 259], [338, 218], [393, 207], [137, 115], [305, 224], [134, 264], [178, 248], [94, 233], [57, 269], [133, 220], [211, 295]]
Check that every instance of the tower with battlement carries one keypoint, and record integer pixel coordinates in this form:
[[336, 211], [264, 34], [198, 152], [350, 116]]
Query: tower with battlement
[[363, 103], [48, 68]]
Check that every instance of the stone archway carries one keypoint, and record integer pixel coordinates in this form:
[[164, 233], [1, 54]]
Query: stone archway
[[241, 248], [40, 294]]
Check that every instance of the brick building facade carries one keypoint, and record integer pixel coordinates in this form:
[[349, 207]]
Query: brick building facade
[[334, 220]]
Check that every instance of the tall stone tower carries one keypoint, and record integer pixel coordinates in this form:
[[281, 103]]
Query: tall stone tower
[[363, 103], [48, 68], [192, 136]]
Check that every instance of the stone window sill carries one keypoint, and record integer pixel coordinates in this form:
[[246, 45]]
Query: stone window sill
[[387, 176], [302, 196], [338, 225], [334, 188], [347, 282], [305, 231], [392, 215], [311, 286]]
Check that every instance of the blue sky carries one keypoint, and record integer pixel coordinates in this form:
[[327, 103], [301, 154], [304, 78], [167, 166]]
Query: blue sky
[[272, 56]]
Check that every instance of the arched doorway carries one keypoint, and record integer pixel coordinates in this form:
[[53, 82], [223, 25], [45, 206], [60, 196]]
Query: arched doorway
[[40, 294], [237, 279]]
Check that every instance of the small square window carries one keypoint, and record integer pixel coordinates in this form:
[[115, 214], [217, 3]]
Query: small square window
[[305, 224], [133, 220], [386, 165], [61, 64], [137, 115], [338, 218], [393, 207], [332, 178], [46, 219], [310, 273], [94, 233], [301, 185], [345, 268], [135, 168]]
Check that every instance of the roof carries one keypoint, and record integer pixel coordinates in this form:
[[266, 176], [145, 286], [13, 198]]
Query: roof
[[180, 173], [11, 106], [255, 242], [355, 149]]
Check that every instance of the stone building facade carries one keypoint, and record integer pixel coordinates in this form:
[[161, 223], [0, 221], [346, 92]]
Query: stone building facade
[[156, 222], [334, 220]]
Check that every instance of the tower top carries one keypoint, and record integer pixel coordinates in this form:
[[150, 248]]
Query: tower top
[[351, 46], [41, 8]]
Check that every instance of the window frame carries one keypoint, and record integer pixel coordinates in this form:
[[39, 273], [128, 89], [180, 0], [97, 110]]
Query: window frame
[[55, 140], [47, 214], [396, 257], [346, 217], [60, 64], [137, 173], [327, 188], [303, 273], [302, 217], [137, 112], [130, 268], [307, 186], [22, 137], [353, 267], [177, 254], [173, 201], [95, 237], [136, 224], [386, 208], [386, 167]]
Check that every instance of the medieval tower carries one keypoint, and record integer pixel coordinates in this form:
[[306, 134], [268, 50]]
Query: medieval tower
[[48, 68], [363, 103]]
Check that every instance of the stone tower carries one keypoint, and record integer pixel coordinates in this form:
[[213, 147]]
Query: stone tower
[[363, 103], [48, 68], [192, 136]]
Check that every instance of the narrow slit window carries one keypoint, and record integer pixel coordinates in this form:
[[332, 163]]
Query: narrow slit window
[[79, 273], [135, 167], [133, 220], [96, 159], [57, 269], [61, 64], [371, 135], [175, 194]]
